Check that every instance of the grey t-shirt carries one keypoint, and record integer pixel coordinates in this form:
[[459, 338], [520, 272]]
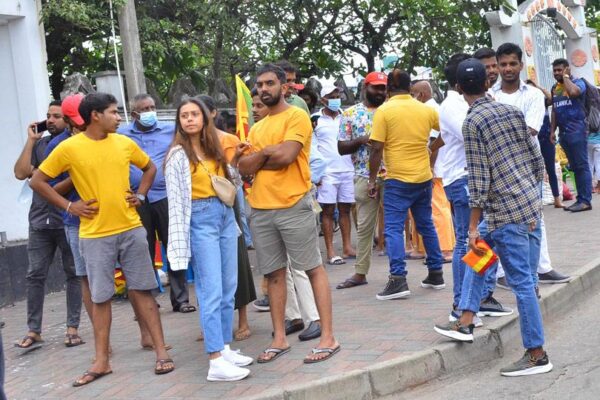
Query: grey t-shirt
[[42, 215]]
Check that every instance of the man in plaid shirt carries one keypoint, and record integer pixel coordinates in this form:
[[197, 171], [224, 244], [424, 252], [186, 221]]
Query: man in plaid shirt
[[505, 170]]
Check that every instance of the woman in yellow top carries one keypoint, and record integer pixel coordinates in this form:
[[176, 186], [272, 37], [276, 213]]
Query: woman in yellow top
[[212, 238], [246, 292]]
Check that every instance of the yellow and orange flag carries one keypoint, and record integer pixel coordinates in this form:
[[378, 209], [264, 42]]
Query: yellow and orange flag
[[243, 109]]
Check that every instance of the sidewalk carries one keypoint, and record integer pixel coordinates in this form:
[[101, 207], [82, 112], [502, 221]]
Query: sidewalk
[[370, 332]]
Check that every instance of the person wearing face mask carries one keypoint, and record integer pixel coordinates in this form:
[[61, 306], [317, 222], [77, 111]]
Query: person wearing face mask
[[154, 138], [337, 184]]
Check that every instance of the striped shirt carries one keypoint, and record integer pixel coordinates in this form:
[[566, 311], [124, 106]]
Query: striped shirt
[[505, 167]]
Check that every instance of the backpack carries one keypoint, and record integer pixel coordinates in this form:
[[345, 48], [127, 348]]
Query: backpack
[[592, 107]]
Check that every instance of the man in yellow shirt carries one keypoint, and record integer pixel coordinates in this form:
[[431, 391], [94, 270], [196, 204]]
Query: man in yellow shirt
[[282, 220], [111, 231], [401, 129]]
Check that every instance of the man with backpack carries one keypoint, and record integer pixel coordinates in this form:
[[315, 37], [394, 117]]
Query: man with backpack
[[570, 114]]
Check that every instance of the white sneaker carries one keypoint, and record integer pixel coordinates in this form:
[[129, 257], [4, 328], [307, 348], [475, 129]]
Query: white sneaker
[[235, 357], [221, 370]]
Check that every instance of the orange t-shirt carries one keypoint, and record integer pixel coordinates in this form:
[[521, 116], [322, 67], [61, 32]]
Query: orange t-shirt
[[282, 188], [229, 143]]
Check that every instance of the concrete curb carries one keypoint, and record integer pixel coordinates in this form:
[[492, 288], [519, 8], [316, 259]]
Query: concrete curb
[[382, 380]]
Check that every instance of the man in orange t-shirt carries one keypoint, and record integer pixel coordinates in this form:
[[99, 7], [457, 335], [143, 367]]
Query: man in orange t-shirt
[[282, 219]]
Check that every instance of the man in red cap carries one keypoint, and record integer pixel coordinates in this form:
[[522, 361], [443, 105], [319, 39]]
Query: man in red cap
[[355, 129], [291, 95]]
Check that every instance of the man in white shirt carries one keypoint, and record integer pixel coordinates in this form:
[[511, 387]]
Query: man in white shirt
[[442, 213], [451, 166], [531, 101], [337, 185]]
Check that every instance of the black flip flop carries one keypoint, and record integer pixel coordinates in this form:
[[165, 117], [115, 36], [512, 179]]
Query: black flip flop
[[350, 283], [328, 350], [95, 376], [162, 363], [73, 340], [184, 308], [35, 345], [276, 351]]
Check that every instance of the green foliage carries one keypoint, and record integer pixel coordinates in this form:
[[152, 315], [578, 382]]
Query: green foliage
[[210, 41]]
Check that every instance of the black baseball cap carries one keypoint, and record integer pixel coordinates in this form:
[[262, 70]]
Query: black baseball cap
[[471, 72]]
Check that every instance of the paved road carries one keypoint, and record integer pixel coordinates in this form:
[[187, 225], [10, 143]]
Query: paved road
[[369, 331], [572, 343]]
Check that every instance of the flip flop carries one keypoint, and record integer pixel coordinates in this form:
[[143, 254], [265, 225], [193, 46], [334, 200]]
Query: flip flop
[[349, 283], [150, 348], [162, 363], [336, 260], [328, 350], [34, 345], [73, 340], [184, 308], [95, 376], [276, 351], [350, 257]]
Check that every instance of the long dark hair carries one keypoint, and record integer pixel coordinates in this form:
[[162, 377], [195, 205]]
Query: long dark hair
[[209, 139]]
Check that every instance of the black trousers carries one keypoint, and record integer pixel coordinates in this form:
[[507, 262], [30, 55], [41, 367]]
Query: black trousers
[[155, 218]]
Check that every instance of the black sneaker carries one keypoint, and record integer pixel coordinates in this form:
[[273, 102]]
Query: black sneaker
[[491, 307], [262, 304], [528, 365], [502, 283], [434, 280], [456, 331], [553, 277], [578, 207], [396, 288]]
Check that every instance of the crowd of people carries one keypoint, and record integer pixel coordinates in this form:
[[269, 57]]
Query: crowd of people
[[439, 179]]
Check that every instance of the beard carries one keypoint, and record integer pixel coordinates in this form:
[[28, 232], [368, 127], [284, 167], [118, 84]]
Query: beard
[[375, 99], [269, 100]]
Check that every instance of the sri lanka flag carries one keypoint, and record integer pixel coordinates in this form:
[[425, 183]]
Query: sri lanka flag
[[243, 109], [480, 264]]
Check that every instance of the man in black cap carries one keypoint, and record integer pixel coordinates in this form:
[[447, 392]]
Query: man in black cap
[[505, 170]]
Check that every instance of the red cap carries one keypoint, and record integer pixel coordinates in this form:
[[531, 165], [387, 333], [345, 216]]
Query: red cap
[[298, 86], [376, 78], [70, 108]]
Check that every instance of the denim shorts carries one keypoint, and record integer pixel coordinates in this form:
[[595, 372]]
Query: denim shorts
[[72, 233], [129, 249]]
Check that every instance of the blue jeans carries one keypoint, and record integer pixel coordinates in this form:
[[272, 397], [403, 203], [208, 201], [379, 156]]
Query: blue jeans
[[548, 150], [513, 244], [398, 198], [575, 146], [534, 258], [213, 239], [458, 195], [241, 200]]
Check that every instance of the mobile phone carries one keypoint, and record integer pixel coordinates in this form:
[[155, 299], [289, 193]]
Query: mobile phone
[[41, 127]]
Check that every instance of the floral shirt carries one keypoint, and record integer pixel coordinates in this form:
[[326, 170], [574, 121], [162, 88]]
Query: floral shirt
[[357, 121]]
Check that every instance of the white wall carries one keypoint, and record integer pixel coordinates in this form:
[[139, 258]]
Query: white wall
[[24, 97]]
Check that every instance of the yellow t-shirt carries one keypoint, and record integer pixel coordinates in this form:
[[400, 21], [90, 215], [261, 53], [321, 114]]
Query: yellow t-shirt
[[201, 184], [229, 143], [284, 187], [100, 170], [403, 124]]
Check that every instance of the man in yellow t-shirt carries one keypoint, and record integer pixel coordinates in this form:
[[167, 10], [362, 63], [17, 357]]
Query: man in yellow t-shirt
[[282, 219], [401, 129], [111, 231]]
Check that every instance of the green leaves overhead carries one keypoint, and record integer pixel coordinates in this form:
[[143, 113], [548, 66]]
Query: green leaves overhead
[[210, 41]]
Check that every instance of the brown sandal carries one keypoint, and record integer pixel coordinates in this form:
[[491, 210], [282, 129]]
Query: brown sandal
[[164, 370], [73, 340], [82, 381]]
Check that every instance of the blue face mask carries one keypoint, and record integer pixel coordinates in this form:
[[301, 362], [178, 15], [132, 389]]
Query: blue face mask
[[334, 104], [148, 118]]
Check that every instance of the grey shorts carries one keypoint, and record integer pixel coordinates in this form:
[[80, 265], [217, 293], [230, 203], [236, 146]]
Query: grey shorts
[[129, 249], [287, 232]]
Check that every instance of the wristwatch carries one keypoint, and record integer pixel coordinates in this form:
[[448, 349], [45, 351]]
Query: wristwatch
[[141, 197]]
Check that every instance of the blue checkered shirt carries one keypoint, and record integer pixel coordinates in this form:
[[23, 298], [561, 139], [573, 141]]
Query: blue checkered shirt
[[505, 167]]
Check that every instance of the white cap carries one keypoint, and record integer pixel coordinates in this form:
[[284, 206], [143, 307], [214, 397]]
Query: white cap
[[328, 88]]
